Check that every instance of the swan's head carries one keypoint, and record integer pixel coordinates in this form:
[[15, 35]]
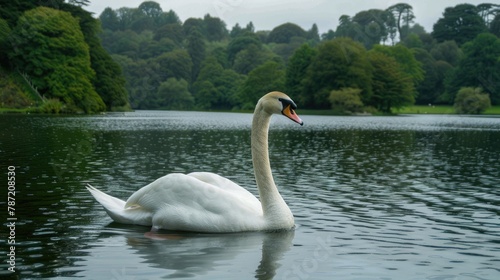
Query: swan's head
[[279, 103]]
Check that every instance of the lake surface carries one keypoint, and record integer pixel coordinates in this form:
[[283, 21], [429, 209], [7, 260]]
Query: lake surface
[[406, 197]]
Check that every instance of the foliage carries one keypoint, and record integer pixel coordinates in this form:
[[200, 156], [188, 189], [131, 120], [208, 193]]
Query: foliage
[[447, 51], [224, 68], [392, 86], [368, 27], [51, 106], [407, 61], [461, 23], [215, 28], [339, 63], [173, 94], [177, 64], [50, 48], [297, 70], [471, 100], [108, 81], [432, 85], [285, 32], [240, 43], [196, 50], [495, 26], [4, 42], [346, 100], [11, 94], [216, 87], [403, 17], [480, 66], [269, 76], [68, 54]]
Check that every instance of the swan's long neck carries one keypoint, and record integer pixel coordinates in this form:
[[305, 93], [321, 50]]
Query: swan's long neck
[[274, 207]]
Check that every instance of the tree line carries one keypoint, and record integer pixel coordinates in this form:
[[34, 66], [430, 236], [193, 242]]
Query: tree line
[[50, 54], [375, 60]]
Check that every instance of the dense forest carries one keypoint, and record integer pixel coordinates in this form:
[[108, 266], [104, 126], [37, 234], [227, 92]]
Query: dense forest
[[374, 61], [51, 58]]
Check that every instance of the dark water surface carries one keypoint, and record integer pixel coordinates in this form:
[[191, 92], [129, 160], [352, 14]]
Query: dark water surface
[[408, 197]]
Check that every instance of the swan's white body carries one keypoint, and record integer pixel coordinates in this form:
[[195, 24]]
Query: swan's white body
[[207, 202]]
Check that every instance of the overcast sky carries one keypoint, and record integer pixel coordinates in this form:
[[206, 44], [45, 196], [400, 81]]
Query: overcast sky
[[267, 14]]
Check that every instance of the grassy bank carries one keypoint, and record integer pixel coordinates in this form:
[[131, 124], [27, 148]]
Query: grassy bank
[[441, 109], [425, 109]]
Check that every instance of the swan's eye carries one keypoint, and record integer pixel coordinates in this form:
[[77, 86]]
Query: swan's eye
[[286, 102]]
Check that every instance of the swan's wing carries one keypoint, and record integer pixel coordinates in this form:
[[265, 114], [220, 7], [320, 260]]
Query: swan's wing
[[184, 202], [222, 182]]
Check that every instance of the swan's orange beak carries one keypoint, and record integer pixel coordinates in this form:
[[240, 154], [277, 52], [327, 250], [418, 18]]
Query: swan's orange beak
[[290, 113]]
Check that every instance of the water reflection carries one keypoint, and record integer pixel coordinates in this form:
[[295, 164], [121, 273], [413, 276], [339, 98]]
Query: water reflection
[[184, 255], [374, 197]]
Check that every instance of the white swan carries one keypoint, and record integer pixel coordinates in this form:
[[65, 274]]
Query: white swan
[[207, 202]]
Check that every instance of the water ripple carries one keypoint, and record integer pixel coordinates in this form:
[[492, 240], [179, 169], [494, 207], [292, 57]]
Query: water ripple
[[373, 197]]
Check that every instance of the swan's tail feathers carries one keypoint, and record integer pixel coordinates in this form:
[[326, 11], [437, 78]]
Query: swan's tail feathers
[[116, 209]]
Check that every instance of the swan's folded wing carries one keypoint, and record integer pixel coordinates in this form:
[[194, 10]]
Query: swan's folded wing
[[194, 190], [223, 183], [182, 202]]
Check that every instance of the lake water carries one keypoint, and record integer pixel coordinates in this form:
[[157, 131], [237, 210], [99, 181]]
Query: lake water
[[406, 197]]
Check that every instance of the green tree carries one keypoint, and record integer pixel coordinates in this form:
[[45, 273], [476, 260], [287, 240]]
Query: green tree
[[193, 23], [267, 77], [150, 9], [461, 23], [172, 31], [285, 51], [127, 17], [285, 32], [346, 100], [392, 87], [175, 64], [488, 11], [495, 25], [216, 87], [429, 89], [480, 67], [50, 47], [12, 10], [238, 44], [196, 50], [143, 80], [403, 17], [251, 57], [471, 100], [297, 70], [109, 19], [373, 26], [169, 17], [412, 41], [215, 28], [447, 51], [108, 81], [4, 41], [313, 34], [173, 94], [339, 63], [407, 61]]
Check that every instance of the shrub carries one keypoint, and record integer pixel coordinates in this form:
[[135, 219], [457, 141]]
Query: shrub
[[471, 100], [346, 100], [51, 106]]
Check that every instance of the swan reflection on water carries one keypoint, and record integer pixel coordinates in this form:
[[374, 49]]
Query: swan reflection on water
[[186, 255]]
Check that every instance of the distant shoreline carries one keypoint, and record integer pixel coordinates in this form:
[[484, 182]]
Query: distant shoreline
[[411, 110]]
